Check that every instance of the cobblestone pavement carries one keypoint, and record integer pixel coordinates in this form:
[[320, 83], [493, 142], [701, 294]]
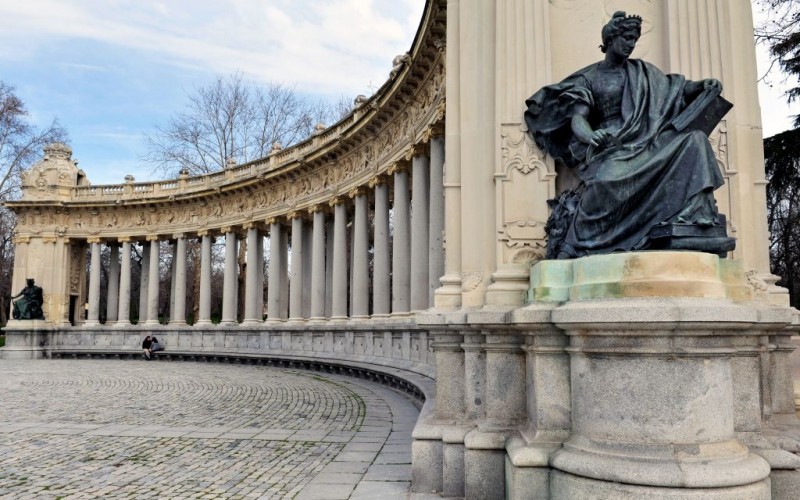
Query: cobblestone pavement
[[133, 429]]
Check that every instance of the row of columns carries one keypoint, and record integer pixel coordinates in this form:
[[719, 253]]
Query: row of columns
[[330, 258]]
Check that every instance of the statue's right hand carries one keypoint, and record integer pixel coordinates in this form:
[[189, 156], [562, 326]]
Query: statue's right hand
[[601, 138]]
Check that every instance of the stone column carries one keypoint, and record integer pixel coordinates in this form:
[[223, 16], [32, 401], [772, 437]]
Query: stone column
[[318, 265], [254, 295], [179, 302], [339, 307], [144, 282], [308, 243], [112, 307], [229, 291], [277, 252], [153, 282], [204, 308], [360, 254], [329, 224], [93, 318], [296, 285], [381, 286], [172, 281], [420, 166], [124, 303], [436, 226], [401, 256]]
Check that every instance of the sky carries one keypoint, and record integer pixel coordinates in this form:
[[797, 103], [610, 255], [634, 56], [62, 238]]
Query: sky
[[112, 70]]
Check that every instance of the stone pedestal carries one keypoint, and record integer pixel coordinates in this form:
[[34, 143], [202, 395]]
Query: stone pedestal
[[26, 339], [636, 375]]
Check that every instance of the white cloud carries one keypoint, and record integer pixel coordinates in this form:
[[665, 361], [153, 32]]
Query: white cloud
[[334, 46]]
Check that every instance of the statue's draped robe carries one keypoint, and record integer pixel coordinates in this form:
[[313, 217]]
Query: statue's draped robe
[[654, 175]]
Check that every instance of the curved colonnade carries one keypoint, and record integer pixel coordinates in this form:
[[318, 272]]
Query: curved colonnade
[[353, 220]]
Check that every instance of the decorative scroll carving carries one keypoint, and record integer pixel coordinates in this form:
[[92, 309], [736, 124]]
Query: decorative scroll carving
[[526, 183]]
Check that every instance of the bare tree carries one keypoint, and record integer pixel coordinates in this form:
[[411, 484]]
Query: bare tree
[[234, 119], [20, 147]]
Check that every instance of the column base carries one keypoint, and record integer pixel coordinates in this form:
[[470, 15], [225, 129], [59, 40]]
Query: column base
[[203, 322], [564, 486], [121, 324], [703, 465], [91, 324], [252, 322]]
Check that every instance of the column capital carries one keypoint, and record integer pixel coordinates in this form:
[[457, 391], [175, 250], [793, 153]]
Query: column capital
[[178, 236], [249, 225], [433, 131], [356, 191], [396, 167], [377, 181], [203, 232], [272, 220], [416, 150], [151, 237], [93, 239], [318, 207], [18, 240], [49, 239], [336, 200], [295, 214], [124, 239], [226, 229]]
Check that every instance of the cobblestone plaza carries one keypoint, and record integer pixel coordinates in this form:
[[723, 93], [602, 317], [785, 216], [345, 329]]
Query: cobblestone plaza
[[132, 429]]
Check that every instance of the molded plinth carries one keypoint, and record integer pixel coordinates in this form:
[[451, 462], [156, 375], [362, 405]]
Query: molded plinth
[[639, 274]]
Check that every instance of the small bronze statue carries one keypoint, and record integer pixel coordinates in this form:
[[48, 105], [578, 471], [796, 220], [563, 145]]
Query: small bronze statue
[[30, 305], [639, 141]]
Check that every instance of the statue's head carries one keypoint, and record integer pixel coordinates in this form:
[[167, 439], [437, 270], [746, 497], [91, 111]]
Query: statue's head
[[29, 281], [620, 23]]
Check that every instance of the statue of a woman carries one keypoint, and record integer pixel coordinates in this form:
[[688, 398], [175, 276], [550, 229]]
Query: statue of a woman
[[647, 170]]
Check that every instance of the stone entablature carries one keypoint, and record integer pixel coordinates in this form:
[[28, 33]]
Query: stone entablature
[[381, 132]]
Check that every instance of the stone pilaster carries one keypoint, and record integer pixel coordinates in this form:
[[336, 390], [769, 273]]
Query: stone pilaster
[[448, 295]]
